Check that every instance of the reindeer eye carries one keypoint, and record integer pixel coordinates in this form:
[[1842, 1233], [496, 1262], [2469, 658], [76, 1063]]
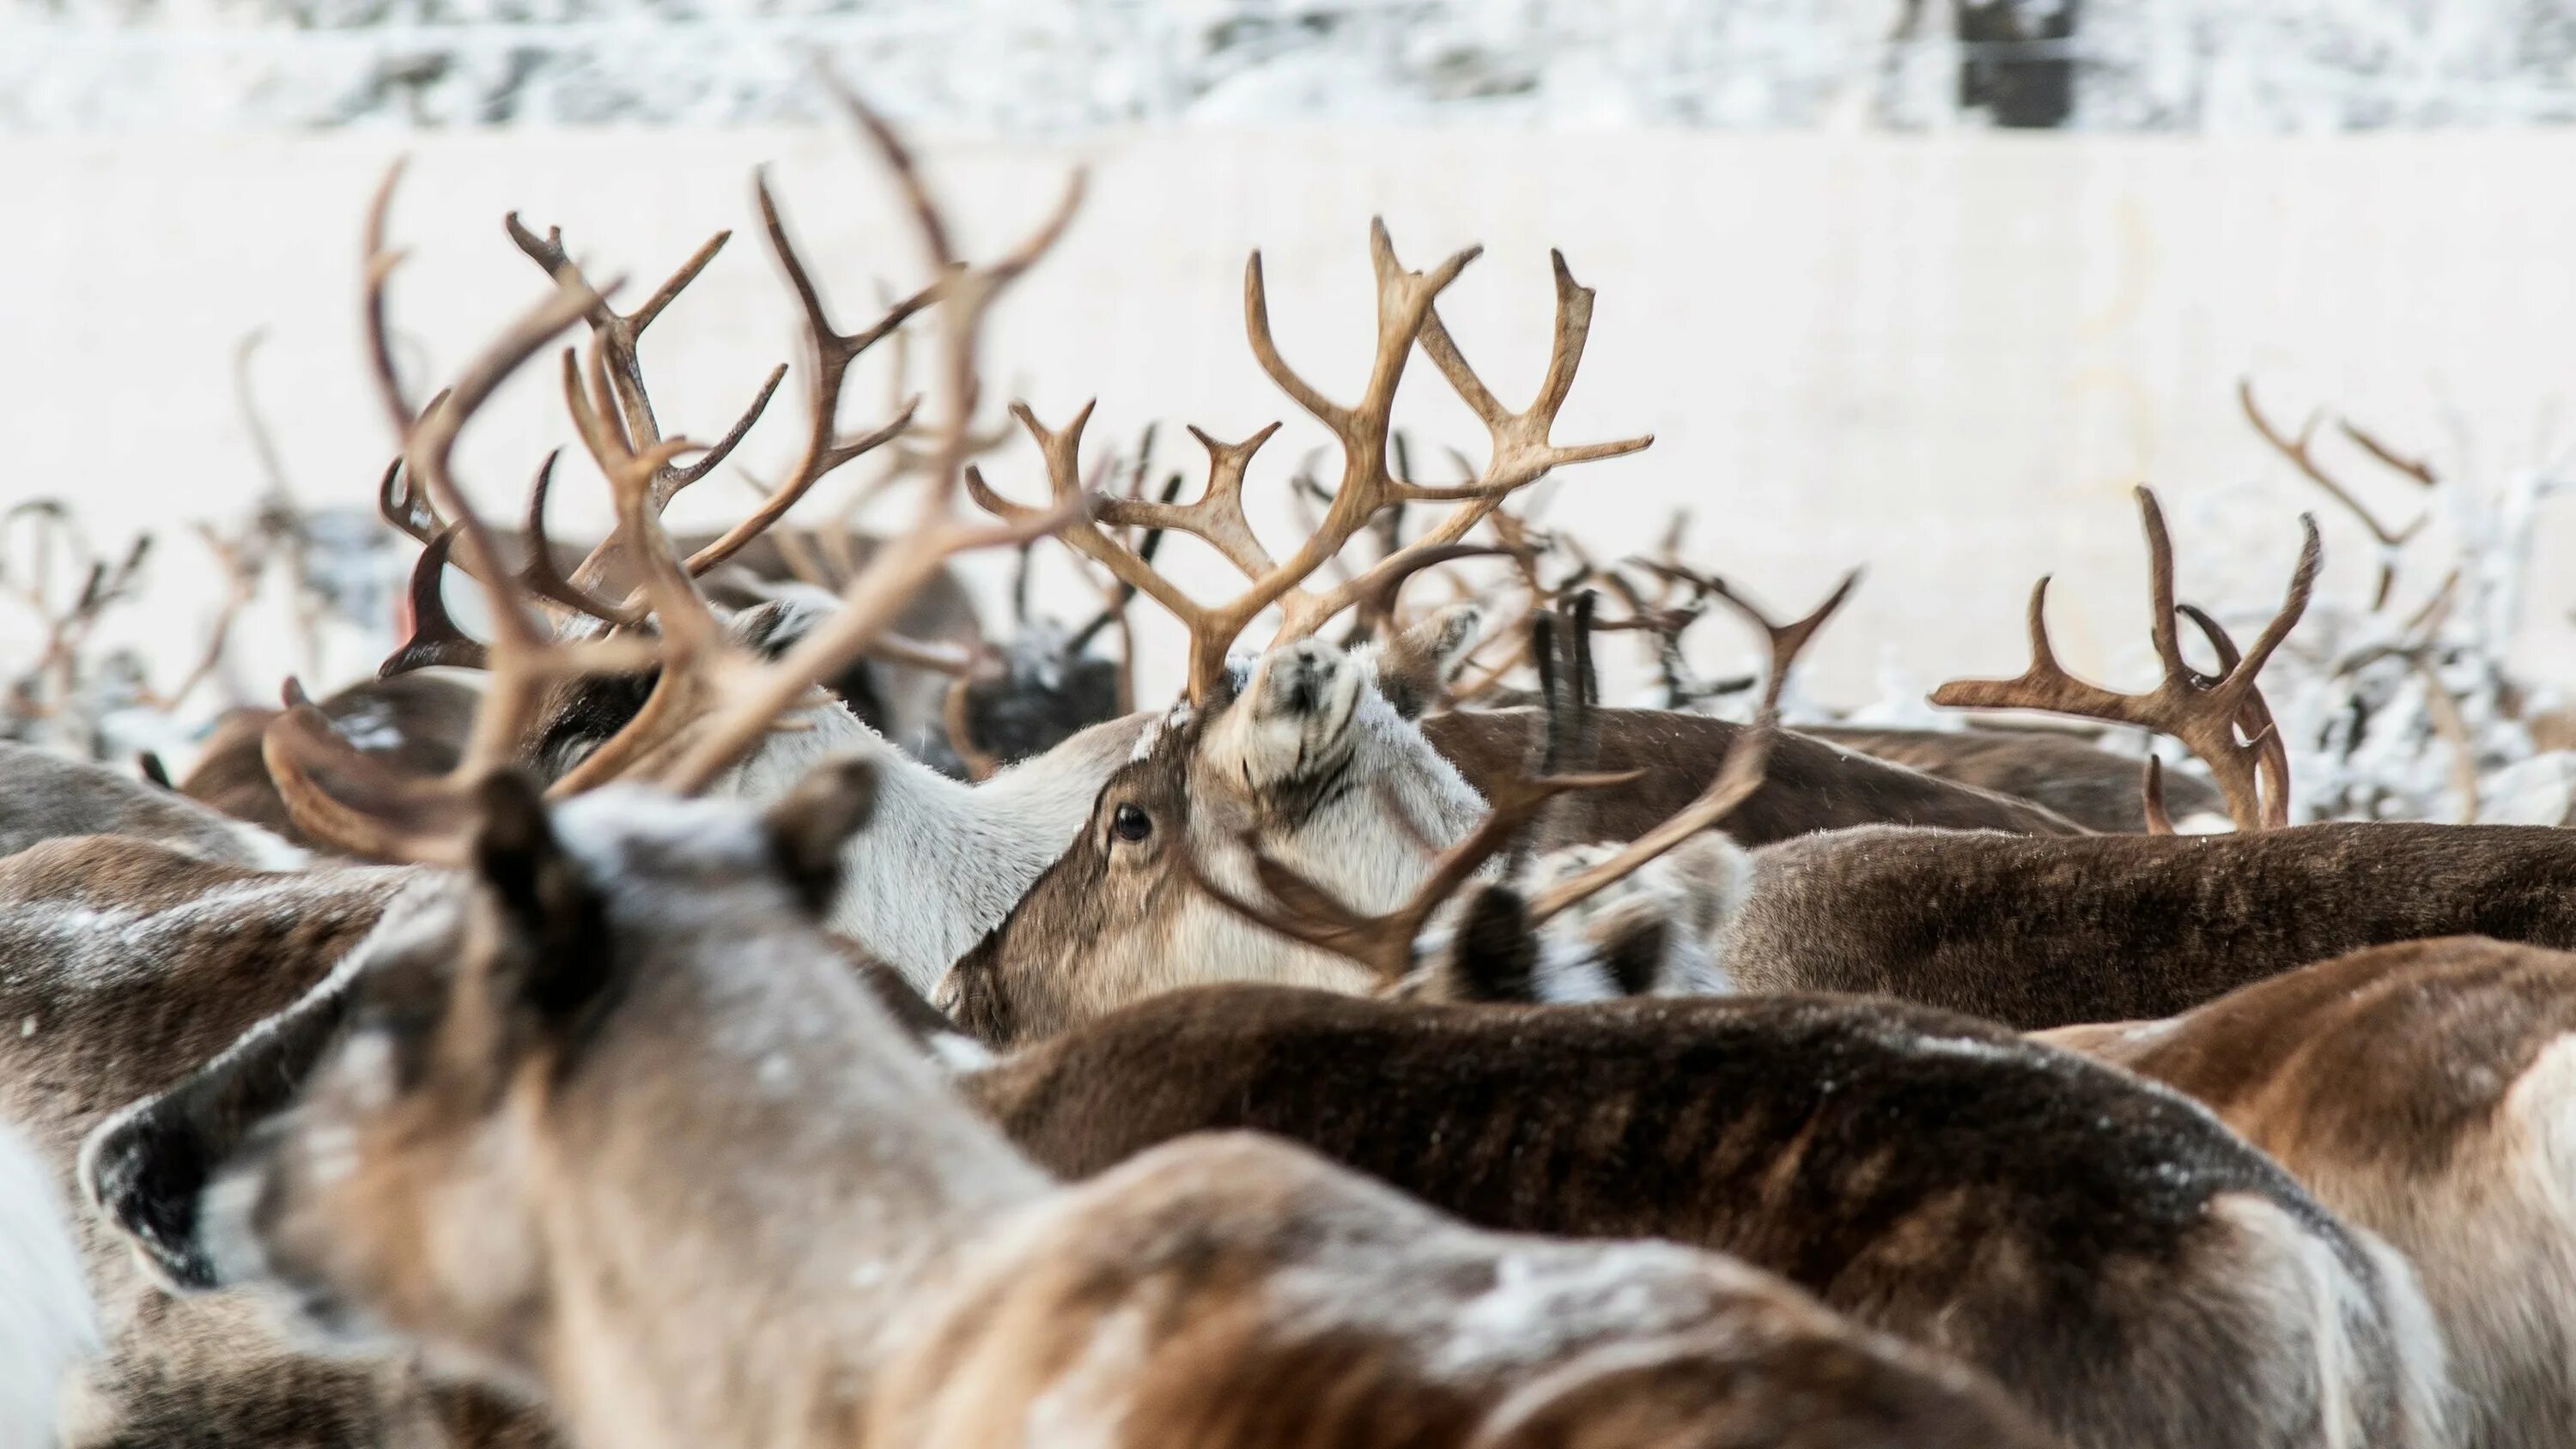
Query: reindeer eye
[[1131, 824]]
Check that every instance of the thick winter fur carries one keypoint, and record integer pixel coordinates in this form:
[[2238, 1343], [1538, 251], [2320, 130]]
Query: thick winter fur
[[415, 724], [47, 1323], [1809, 784], [1309, 760], [628, 1132], [2092, 787], [942, 862], [2426, 1091], [1930, 1175], [46, 796], [2043, 933], [123, 965]]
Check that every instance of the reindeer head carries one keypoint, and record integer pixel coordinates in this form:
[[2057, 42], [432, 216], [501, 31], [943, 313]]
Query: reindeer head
[[511, 1030], [1302, 758]]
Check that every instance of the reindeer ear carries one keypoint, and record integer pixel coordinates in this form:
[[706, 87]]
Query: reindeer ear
[[1633, 952], [1494, 956], [545, 901], [808, 828], [1414, 668]]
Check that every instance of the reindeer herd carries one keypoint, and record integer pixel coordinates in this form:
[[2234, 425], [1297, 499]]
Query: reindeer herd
[[722, 999]]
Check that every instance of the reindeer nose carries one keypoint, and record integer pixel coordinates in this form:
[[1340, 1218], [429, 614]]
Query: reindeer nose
[[1301, 675], [146, 1176]]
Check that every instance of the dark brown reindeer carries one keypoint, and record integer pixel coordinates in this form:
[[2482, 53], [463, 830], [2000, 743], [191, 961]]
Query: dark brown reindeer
[[2423, 1091], [2092, 787], [1928, 1174]]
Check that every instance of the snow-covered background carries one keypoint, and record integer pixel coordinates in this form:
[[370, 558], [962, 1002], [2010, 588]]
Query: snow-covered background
[[1051, 67], [1923, 288]]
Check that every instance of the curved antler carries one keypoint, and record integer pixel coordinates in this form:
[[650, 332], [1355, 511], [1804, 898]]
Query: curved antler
[[2204, 714]]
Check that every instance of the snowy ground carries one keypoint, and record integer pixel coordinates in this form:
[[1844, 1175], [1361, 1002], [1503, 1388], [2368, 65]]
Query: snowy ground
[[1052, 67]]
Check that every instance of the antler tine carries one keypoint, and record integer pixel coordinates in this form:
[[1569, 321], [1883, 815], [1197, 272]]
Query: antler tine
[[2297, 450], [1306, 912], [1521, 451], [2204, 716], [2253, 721], [2415, 468], [539, 574], [379, 263], [404, 506], [2151, 798], [435, 638], [1788, 640]]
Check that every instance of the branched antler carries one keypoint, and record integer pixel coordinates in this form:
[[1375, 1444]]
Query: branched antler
[[1521, 454], [2302, 456], [2205, 715]]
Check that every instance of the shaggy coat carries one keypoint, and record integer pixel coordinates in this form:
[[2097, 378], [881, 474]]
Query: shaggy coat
[[2123, 1265], [123, 966], [2043, 933], [2427, 1092], [619, 1126], [46, 796]]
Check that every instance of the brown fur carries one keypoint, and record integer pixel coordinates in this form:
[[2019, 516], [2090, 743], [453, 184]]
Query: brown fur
[[123, 965], [1810, 784], [1928, 1174], [2421, 1090], [46, 796], [2042, 933], [643, 1143], [2092, 787], [416, 725], [1109, 922]]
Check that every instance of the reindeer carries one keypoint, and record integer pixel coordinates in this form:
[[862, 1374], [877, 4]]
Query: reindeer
[[1826, 1139], [630, 912], [2421, 1090], [2054, 933], [45, 796], [1928, 1174], [416, 722]]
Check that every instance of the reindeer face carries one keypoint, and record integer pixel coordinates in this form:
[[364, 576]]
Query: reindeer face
[[1309, 762], [407, 1185]]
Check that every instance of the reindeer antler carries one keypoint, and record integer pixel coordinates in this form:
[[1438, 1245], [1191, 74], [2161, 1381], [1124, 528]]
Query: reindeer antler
[[2204, 715], [2301, 456], [1521, 454], [710, 701]]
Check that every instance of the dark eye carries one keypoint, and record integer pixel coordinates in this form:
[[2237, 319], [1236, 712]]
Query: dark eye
[[1131, 824]]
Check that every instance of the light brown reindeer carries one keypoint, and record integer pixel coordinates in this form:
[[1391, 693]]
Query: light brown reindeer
[[2425, 1091]]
